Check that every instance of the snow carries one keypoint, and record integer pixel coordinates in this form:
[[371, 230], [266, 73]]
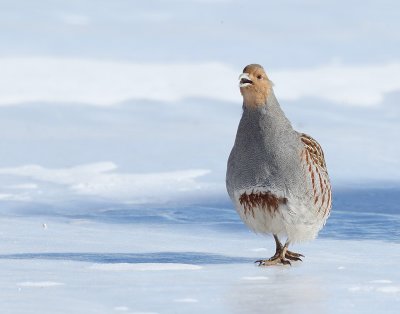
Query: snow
[[39, 284], [381, 281], [99, 179], [121, 308], [109, 83], [339, 83], [116, 121], [186, 300]]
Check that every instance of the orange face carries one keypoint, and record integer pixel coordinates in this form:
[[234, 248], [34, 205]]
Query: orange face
[[254, 85]]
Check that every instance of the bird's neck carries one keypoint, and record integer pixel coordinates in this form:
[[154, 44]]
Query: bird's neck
[[269, 117], [256, 97]]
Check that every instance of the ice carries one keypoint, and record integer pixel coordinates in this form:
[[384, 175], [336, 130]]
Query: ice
[[255, 278], [144, 267], [259, 249], [39, 284], [187, 265], [116, 121], [370, 288], [186, 300]]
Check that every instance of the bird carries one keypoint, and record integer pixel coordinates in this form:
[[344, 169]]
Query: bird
[[276, 177]]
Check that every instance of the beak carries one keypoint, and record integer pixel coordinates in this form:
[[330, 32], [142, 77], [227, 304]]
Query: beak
[[244, 80]]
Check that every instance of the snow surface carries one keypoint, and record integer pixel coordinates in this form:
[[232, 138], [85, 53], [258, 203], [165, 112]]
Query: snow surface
[[99, 179], [109, 83], [116, 121]]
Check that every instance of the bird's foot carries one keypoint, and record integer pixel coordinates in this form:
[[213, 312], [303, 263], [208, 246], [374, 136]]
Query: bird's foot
[[282, 256], [273, 261]]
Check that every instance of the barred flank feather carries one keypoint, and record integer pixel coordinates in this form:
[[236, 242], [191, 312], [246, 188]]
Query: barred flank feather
[[314, 162]]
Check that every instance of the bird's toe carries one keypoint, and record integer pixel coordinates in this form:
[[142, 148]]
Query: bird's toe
[[295, 254], [294, 258], [284, 261]]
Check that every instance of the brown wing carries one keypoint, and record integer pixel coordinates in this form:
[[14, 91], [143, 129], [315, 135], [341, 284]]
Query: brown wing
[[314, 159], [314, 149]]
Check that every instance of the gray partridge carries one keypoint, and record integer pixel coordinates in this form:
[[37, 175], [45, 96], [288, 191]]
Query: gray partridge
[[276, 177]]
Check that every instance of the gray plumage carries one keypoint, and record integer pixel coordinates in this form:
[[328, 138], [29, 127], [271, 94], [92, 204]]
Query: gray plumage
[[265, 153]]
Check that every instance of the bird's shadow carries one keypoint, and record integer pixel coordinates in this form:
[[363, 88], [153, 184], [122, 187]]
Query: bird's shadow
[[196, 258]]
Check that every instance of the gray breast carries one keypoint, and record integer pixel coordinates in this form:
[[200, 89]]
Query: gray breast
[[266, 152]]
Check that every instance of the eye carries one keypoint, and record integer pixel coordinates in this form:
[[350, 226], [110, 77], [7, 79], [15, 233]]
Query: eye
[[259, 77]]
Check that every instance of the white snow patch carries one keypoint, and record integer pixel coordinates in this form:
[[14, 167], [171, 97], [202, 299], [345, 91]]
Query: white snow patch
[[369, 288], [255, 278], [75, 19], [389, 289], [101, 179], [13, 197], [186, 300], [356, 85], [361, 289], [40, 284], [121, 308], [382, 281], [144, 267], [79, 221], [106, 83], [24, 186], [261, 249]]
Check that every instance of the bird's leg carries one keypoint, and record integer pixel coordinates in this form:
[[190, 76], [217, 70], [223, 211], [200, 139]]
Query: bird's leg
[[278, 247], [282, 255]]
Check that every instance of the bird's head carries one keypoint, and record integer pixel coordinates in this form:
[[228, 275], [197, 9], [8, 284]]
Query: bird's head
[[254, 85]]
